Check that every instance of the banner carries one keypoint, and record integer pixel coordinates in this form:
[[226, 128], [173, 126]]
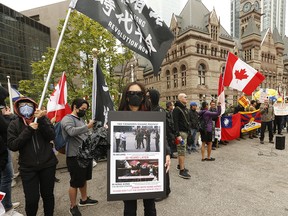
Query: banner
[[132, 22], [250, 120], [280, 109]]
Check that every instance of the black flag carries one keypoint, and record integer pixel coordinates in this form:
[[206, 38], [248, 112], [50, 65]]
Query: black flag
[[101, 99], [133, 23]]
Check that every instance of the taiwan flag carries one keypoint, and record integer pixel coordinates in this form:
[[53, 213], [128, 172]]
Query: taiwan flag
[[241, 76], [230, 127]]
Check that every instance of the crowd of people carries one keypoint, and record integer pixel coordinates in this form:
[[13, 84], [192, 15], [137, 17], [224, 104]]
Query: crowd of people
[[37, 161]]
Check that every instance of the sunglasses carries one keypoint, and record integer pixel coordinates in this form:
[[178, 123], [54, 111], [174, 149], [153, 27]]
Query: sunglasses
[[138, 93], [26, 103]]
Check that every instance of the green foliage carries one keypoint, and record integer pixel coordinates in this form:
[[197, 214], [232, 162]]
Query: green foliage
[[75, 58]]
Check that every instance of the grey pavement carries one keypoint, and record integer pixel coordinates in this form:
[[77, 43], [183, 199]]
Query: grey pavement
[[247, 179]]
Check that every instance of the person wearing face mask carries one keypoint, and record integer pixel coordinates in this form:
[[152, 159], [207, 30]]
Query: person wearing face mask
[[76, 131], [37, 162], [134, 99]]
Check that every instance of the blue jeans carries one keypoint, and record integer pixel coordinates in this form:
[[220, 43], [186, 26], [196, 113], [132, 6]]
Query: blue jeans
[[193, 139], [6, 180]]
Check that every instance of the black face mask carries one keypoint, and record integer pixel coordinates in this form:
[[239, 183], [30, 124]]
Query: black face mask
[[134, 100], [81, 113]]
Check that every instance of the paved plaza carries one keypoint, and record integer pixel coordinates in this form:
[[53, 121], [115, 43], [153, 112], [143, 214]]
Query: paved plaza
[[247, 179]]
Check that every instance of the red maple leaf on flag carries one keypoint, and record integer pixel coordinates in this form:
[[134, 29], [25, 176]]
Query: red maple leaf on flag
[[241, 74]]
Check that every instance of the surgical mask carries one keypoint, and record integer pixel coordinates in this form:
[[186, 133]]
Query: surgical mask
[[135, 98], [26, 111], [81, 113]]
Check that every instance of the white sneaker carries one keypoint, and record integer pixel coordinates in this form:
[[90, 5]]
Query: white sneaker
[[12, 212], [94, 163], [15, 204]]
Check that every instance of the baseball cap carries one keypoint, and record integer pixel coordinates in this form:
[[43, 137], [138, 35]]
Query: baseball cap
[[193, 103]]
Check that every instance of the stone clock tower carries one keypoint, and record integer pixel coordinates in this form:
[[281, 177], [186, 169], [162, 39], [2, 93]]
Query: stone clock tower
[[250, 22]]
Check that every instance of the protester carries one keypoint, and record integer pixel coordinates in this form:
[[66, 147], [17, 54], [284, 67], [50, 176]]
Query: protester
[[239, 108], [118, 139], [206, 135], [170, 128], [278, 120], [154, 96], [213, 108], [123, 141], [37, 161], [134, 99], [267, 117], [194, 127], [6, 167], [76, 131], [182, 128]]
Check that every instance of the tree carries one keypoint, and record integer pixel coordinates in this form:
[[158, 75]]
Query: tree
[[75, 57]]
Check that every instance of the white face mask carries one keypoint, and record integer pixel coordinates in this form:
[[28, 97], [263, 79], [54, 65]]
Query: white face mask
[[26, 111]]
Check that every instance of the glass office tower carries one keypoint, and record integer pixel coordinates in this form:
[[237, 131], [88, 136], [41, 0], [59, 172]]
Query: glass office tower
[[22, 40]]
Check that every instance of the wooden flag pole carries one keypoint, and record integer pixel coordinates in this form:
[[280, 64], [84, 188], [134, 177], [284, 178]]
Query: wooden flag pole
[[54, 59]]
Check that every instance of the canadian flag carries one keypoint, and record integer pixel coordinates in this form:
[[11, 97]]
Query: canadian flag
[[241, 76], [57, 104]]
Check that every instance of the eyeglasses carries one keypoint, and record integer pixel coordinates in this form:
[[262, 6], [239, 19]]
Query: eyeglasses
[[25, 103], [138, 93]]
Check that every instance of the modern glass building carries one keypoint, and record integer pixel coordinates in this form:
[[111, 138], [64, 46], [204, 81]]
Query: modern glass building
[[22, 40]]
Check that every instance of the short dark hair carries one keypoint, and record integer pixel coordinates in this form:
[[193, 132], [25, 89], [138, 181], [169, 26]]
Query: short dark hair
[[168, 104], [204, 104], [78, 102]]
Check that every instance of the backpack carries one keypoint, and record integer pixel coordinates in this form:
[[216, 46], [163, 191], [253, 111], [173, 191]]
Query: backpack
[[59, 141], [202, 123]]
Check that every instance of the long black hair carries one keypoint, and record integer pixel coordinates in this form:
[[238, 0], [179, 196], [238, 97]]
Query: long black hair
[[124, 106]]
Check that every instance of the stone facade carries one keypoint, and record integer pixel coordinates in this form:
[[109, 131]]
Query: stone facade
[[198, 54]]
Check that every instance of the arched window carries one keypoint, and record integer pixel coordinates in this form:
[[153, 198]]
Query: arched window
[[198, 48], [201, 74], [175, 77], [183, 75], [168, 79]]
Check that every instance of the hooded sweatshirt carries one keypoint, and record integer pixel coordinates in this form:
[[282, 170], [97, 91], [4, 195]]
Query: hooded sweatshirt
[[35, 149]]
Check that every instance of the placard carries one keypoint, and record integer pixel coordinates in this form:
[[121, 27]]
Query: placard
[[137, 155]]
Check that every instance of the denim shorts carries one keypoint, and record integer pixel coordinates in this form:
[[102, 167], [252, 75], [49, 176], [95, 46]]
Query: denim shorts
[[78, 175]]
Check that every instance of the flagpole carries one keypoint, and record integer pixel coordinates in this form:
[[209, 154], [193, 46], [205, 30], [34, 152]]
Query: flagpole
[[54, 59], [10, 95], [94, 85]]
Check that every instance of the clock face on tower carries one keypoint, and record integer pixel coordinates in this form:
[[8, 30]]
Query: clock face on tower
[[256, 5], [247, 7]]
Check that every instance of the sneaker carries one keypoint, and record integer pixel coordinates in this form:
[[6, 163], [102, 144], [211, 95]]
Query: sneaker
[[261, 141], [75, 211], [178, 168], [271, 141], [15, 204], [88, 202], [184, 174], [94, 163], [12, 212]]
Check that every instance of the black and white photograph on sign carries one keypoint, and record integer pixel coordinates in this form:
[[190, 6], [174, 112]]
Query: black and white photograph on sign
[[137, 155], [136, 170], [136, 139]]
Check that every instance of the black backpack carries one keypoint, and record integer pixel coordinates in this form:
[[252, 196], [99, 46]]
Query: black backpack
[[202, 123]]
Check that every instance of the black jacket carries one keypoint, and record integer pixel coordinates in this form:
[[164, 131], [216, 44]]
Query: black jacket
[[181, 118], [194, 119], [3, 142], [35, 149]]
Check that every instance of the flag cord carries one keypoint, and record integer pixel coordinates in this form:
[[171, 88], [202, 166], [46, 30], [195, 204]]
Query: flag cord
[[54, 59]]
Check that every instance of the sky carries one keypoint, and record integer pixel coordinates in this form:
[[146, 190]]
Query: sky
[[222, 9]]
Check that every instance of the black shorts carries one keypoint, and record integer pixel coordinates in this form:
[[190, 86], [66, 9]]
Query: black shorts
[[78, 175], [206, 136]]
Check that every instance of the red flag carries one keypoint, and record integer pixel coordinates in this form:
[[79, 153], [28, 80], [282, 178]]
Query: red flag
[[241, 76], [230, 127], [57, 104]]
